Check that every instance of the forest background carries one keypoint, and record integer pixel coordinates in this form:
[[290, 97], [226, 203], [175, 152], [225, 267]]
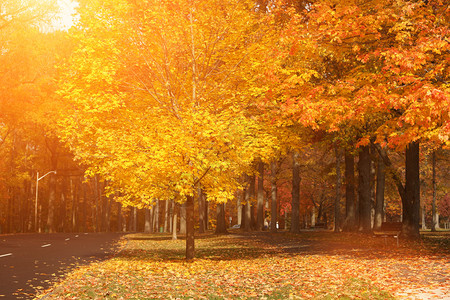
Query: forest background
[[163, 115]]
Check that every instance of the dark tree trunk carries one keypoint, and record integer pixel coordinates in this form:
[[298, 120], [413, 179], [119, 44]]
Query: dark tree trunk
[[260, 198], [350, 196], [337, 202], [379, 203], [190, 240], [221, 227], [51, 204], [63, 208], [273, 197], [434, 216], [411, 203], [364, 190], [295, 216]]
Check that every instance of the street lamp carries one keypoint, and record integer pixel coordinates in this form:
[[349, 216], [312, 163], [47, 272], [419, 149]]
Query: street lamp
[[37, 191]]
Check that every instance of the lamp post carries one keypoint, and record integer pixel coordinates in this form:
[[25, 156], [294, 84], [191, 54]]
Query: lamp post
[[37, 192]]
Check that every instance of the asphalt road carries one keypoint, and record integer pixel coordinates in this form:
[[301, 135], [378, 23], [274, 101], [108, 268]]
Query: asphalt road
[[32, 262]]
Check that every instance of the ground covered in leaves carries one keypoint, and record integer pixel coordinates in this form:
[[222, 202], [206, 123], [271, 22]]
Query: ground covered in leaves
[[309, 265]]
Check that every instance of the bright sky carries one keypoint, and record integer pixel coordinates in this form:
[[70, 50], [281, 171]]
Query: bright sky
[[66, 18]]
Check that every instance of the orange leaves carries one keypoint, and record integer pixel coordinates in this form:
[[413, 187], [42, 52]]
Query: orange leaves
[[369, 62]]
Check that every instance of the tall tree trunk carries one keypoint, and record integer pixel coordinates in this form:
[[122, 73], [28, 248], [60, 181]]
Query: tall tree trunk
[[247, 209], [337, 202], [239, 208], [97, 205], [273, 197], [206, 202], [434, 215], [148, 220], [221, 227], [183, 219], [201, 211], [379, 203], [119, 217], [156, 216], [174, 222], [108, 214], [411, 205], [171, 212], [423, 213], [78, 188], [313, 216], [295, 216], [166, 216], [260, 198], [51, 204], [350, 197], [364, 190], [190, 241], [252, 202], [135, 212]]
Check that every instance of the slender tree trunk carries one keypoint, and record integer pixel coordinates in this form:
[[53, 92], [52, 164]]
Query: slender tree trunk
[[171, 212], [206, 202], [135, 211], [435, 218], [9, 212], [166, 216], [260, 198], [201, 211], [247, 209], [273, 197], [295, 216], [190, 241], [379, 203], [252, 202], [364, 190], [313, 216], [148, 220], [108, 214], [174, 222], [156, 217], [63, 209], [423, 213], [337, 202], [51, 204], [221, 227], [350, 197], [239, 208], [183, 219], [411, 205], [119, 217], [79, 187]]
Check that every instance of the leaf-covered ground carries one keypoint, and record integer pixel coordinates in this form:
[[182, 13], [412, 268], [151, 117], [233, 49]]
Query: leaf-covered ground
[[310, 265]]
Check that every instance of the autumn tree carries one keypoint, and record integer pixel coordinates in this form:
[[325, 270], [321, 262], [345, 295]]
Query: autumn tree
[[154, 99], [377, 67]]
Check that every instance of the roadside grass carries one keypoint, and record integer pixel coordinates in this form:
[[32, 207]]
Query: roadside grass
[[310, 265]]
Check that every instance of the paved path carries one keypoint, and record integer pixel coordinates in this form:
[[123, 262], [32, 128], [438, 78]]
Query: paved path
[[30, 262]]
